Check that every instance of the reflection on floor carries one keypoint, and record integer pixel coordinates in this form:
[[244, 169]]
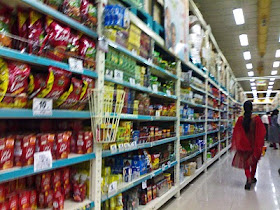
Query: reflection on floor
[[222, 188]]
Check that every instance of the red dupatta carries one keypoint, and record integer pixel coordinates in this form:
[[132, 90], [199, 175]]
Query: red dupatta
[[243, 142]]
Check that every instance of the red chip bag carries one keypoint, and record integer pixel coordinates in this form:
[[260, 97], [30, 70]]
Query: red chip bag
[[57, 82], [23, 21], [73, 45], [72, 8], [24, 199], [33, 199], [6, 152], [71, 97], [57, 40], [88, 13], [36, 31], [5, 205], [87, 51], [62, 144], [58, 201], [13, 201], [56, 180]]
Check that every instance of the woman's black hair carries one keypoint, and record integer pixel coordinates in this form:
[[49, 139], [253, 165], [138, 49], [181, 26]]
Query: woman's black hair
[[275, 112], [248, 107]]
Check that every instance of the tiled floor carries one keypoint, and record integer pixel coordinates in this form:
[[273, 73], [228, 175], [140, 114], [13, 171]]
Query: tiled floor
[[222, 188]]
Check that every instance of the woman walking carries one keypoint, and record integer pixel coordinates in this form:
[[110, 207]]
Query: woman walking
[[274, 129], [247, 141]]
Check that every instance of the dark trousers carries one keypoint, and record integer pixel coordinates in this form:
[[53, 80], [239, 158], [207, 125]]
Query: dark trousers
[[266, 136]]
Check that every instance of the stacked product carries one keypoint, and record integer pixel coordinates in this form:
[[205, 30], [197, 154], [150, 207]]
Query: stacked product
[[189, 147], [189, 129]]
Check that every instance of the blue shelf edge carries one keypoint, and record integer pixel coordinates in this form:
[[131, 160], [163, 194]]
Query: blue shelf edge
[[60, 17], [192, 136], [34, 59], [213, 145], [197, 89], [193, 104], [18, 172], [191, 156], [107, 153], [140, 180], [146, 117], [211, 132], [192, 121]]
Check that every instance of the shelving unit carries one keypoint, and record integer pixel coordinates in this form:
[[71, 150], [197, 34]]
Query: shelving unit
[[231, 108]]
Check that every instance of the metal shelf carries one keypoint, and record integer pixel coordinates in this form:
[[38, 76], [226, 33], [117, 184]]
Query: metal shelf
[[126, 186], [192, 136], [213, 145], [18, 172], [108, 153], [72, 205], [193, 104], [40, 61], [192, 156], [214, 97], [212, 120], [211, 132], [198, 89], [47, 10], [156, 68], [191, 121], [146, 117]]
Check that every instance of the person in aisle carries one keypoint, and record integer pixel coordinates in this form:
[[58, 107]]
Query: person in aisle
[[266, 124], [274, 129], [247, 141]]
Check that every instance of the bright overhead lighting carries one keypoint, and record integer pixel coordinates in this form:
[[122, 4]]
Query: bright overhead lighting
[[253, 88], [273, 72], [238, 16], [277, 54], [276, 64], [250, 73], [249, 66], [243, 40], [271, 83], [272, 79], [252, 80], [247, 55], [269, 87]]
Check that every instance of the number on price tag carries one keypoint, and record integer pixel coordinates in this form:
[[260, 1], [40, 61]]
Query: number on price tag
[[133, 144], [42, 161], [113, 148], [126, 146], [132, 81], [144, 184], [118, 75], [155, 87], [113, 187], [169, 164], [121, 147], [42, 107], [109, 73], [76, 65], [163, 167], [168, 93]]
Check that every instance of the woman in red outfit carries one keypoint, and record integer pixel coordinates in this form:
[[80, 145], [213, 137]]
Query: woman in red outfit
[[247, 141]]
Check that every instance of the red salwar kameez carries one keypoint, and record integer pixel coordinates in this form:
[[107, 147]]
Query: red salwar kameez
[[248, 146]]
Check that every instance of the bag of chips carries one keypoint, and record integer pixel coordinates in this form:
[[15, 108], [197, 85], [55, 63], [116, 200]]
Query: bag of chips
[[88, 14], [72, 48], [22, 21], [5, 21], [54, 3], [87, 51], [71, 8]]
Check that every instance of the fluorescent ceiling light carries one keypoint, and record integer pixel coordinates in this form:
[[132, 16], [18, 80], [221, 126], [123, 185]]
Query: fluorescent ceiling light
[[249, 66], [238, 16], [243, 40], [272, 79], [276, 64], [277, 54], [250, 73], [271, 83], [247, 55], [269, 87], [253, 88], [273, 72], [253, 84], [252, 80]]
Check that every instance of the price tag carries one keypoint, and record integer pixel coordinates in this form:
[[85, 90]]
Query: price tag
[[103, 44], [121, 147], [157, 113], [109, 73], [133, 144], [163, 167], [168, 93], [133, 52], [169, 164], [144, 184], [42, 107], [42, 161], [155, 87], [76, 65], [126, 146], [113, 148], [132, 81], [113, 187], [150, 61], [118, 75]]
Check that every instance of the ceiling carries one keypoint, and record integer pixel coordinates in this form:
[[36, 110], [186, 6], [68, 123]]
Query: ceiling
[[218, 14]]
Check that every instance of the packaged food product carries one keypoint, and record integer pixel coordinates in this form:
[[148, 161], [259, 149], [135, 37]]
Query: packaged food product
[[35, 31], [4, 205], [6, 152], [45, 142], [58, 201], [88, 13], [72, 8], [84, 142], [24, 150], [43, 182], [54, 3], [49, 199], [24, 199], [71, 97], [87, 51], [33, 199], [56, 40], [23, 21], [62, 144], [13, 201], [5, 21], [2, 193], [56, 180], [57, 82], [72, 48]]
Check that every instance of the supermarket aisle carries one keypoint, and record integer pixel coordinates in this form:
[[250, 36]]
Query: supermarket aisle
[[222, 188]]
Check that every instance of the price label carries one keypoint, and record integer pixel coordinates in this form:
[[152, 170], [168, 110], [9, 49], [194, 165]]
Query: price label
[[168, 92], [132, 81], [155, 87], [169, 164], [113, 187], [109, 73], [157, 113], [76, 65], [150, 61], [163, 167], [126, 146], [144, 184], [133, 52], [113, 148], [42, 107], [121, 147], [133, 144], [103, 44], [42, 161], [118, 75]]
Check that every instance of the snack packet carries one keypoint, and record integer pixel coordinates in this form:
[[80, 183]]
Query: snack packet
[[5, 21], [87, 51], [88, 13], [23, 21], [71, 8], [54, 3]]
